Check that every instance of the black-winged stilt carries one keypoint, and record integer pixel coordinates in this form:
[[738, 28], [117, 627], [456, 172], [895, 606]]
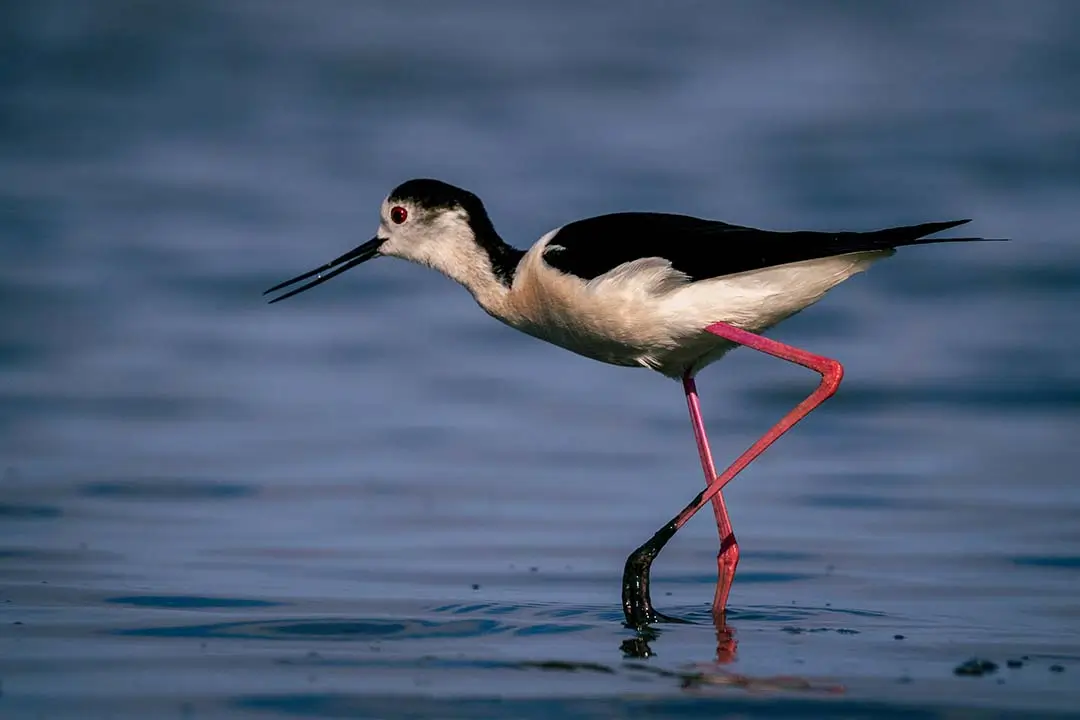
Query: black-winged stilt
[[669, 292]]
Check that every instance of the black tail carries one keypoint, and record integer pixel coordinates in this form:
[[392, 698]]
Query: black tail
[[914, 235]]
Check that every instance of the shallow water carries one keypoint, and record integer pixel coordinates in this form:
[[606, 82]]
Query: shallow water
[[373, 500]]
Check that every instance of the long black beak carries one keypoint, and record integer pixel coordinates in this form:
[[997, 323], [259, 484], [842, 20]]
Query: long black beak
[[336, 266]]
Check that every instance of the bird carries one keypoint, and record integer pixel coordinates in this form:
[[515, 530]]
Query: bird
[[669, 292]]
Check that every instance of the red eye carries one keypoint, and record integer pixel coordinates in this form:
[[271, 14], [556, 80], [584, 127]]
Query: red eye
[[398, 214]]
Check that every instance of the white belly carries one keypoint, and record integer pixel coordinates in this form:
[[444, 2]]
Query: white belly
[[644, 314]]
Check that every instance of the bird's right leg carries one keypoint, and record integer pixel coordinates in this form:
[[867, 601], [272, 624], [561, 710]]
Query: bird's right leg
[[728, 557]]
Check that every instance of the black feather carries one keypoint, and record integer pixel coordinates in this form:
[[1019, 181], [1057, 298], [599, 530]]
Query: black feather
[[703, 249]]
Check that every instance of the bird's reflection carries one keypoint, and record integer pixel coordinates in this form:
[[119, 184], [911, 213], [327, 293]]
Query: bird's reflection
[[726, 644], [711, 674], [638, 648]]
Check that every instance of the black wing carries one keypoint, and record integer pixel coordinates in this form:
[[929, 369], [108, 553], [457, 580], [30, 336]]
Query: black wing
[[703, 249]]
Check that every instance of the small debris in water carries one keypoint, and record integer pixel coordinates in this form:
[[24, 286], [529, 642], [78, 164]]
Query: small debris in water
[[975, 667], [1057, 668], [793, 630], [534, 569], [567, 666], [897, 637], [476, 586], [1014, 663]]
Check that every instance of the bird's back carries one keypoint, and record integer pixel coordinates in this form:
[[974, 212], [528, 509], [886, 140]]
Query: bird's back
[[705, 249]]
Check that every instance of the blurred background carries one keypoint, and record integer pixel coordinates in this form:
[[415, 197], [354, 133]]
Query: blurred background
[[375, 500]]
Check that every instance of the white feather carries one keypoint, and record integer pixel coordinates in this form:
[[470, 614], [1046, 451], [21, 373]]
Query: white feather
[[645, 313]]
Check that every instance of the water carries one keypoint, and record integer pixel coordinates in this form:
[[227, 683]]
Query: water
[[373, 500]]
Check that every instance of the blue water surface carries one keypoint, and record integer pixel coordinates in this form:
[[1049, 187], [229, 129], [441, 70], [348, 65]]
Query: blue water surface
[[375, 501]]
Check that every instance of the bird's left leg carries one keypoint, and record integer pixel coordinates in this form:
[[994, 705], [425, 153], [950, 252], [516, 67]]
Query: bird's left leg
[[728, 557], [637, 605]]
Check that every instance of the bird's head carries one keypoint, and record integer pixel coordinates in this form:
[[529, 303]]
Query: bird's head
[[426, 221]]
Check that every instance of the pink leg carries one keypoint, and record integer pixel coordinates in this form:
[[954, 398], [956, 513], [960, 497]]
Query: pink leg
[[728, 557], [636, 603]]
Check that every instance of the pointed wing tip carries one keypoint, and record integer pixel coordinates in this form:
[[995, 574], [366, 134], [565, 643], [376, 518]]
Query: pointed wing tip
[[965, 221], [933, 228]]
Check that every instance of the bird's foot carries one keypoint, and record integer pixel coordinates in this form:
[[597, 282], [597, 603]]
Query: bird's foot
[[637, 605], [640, 613], [726, 562]]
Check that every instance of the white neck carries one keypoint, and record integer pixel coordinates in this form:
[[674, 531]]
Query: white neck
[[471, 267], [448, 246]]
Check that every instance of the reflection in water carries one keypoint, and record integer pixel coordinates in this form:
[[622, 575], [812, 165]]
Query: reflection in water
[[697, 676], [341, 629], [706, 677], [638, 647], [703, 675], [726, 644]]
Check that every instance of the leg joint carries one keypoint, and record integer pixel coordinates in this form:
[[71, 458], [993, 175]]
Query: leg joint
[[832, 372]]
